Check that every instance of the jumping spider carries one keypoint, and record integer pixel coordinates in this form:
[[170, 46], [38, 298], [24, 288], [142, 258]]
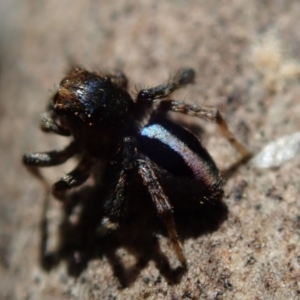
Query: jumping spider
[[104, 122]]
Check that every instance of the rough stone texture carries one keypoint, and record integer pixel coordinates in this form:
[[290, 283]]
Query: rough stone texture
[[254, 252]]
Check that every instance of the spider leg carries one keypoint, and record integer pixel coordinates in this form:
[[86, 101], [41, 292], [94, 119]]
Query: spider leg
[[51, 158], [48, 124], [33, 160], [73, 179], [114, 204], [207, 113], [162, 204], [181, 78]]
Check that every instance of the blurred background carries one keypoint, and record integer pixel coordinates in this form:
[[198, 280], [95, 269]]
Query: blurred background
[[247, 58]]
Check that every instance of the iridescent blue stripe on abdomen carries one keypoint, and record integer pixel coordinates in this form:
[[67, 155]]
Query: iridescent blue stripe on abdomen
[[200, 164]]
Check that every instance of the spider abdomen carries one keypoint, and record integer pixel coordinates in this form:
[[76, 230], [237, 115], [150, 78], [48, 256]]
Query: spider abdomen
[[180, 153]]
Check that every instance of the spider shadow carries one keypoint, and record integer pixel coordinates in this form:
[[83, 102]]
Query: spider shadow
[[83, 240]]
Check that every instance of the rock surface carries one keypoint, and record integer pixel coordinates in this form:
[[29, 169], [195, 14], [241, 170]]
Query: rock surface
[[246, 55]]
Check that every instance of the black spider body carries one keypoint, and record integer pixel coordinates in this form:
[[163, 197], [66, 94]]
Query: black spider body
[[105, 123]]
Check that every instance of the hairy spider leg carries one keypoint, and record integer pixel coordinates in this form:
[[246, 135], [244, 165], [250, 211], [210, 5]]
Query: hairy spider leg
[[162, 205], [73, 179], [183, 77], [114, 203], [33, 160], [146, 97], [50, 158], [115, 200], [207, 113]]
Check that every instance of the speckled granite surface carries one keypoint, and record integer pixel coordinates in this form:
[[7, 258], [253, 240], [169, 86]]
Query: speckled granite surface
[[246, 55]]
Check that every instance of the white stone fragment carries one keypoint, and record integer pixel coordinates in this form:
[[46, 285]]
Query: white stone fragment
[[278, 152]]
